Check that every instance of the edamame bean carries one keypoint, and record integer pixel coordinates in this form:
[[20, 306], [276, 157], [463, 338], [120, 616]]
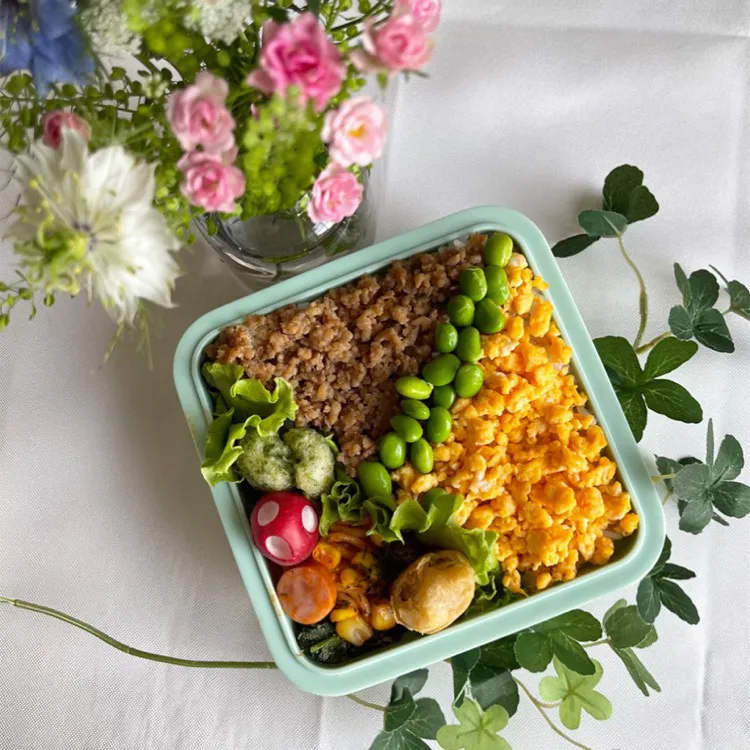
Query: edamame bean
[[415, 409], [498, 249], [489, 318], [473, 283], [442, 369], [460, 310], [408, 427], [444, 395], [446, 337], [422, 457], [498, 289], [469, 347], [392, 448], [413, 387], [469, 380], [439, 425], [374, 479]]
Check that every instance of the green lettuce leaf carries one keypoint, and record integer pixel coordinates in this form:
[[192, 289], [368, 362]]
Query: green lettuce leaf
[[343, 502], [240, 405], [435, 526], [252, 403]]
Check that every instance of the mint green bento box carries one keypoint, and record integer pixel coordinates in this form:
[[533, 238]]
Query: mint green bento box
[[638, 555]]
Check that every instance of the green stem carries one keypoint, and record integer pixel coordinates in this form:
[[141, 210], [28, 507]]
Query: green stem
[[651, 344], [662, 477], [602, 642], [135, 651], [366, 703], [540, 707], [376, 9], [643, 297]]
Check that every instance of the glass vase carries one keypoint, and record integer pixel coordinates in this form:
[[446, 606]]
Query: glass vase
[[270, 248]]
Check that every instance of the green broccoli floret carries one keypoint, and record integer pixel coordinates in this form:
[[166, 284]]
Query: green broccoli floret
[[266, 462], [313, 471]]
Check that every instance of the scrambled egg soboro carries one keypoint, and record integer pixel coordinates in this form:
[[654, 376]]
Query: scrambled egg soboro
[[525, 454], [344, 352]]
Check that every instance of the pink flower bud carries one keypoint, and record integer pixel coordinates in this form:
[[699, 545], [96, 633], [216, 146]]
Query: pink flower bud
[[53, 123], [211, 182], [425, 12], [199, 117], [336, 195], [299, 54], [356, 132], [399, 44]]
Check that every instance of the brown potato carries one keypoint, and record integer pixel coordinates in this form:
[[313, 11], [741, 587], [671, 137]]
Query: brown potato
[[433, 591]]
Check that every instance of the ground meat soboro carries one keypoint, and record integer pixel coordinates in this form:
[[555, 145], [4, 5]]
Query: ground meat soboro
[[344, 352]]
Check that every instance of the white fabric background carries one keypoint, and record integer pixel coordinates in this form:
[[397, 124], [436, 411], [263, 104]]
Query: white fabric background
[[102, 509]]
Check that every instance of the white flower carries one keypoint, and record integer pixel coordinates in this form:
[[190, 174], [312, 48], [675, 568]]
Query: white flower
[[107, 27], [108, 197], [220, 20]]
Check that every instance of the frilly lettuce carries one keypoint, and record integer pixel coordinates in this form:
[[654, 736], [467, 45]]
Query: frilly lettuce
[[241, 405], [433, 522]]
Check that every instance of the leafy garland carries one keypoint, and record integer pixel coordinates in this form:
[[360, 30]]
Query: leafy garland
[[487, 689]]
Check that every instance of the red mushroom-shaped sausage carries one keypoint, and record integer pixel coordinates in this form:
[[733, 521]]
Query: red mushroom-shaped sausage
[[285, 527]]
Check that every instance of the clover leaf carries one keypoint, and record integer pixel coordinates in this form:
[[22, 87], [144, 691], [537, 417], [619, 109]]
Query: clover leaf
[[658, 588], [739, 296], [559, 637], [637, 388], [481, 673], [576, 692], [697, 317], [704, 488], [625, 200], [477, 729], [407, 721]]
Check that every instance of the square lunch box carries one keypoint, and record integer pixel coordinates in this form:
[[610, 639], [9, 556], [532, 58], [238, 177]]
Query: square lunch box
[[633, 559]]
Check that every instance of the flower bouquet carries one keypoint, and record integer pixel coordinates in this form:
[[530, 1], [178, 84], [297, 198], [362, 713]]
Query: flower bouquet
[[235, 109]]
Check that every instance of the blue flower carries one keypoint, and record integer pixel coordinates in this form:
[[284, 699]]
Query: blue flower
[[42, 36]]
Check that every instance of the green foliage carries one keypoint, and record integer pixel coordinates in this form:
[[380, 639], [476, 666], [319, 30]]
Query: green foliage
[[638, 388], [561, 636], [576, 692], [484, 675], [659, 588], [408, 722], [477, 729], [739, 296], [625, 200], [703, 488]]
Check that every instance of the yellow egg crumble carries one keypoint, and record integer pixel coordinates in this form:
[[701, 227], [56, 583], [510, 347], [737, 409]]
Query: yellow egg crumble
[[525, 454]]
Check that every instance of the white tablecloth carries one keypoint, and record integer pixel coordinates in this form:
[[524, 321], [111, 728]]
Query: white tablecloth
[[104, 514]]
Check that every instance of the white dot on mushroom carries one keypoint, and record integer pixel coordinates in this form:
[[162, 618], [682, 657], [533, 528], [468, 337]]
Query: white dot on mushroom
[[267, 513], [279, 547], [309, 519]]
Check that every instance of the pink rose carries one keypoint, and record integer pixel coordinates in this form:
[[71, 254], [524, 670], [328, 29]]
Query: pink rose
[[425, 12], [336, 194], [299, 54], [211, 182], [53, 123], [199, 117], [356, 132], [399, 44]]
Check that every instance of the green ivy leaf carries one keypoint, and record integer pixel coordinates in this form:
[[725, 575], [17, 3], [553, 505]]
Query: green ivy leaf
[[477, 729], [710, 328], [602, 223], [731, 498], [648, 600], [667, 356], [618, 356], [683, 284], [401, 739], [641, 676], [501, 653], [739, 295], [577, 623], [626, 628], [677, 601], [486, 683], [634, 408], [533, 651], [576, 692], [398, 712], [573, 245], [413, 682], [696, 515], [672, 400], [427, 719], [625, 193], [571, 653], [729, 461], [704, 291], [692, 482], [680, 323]]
